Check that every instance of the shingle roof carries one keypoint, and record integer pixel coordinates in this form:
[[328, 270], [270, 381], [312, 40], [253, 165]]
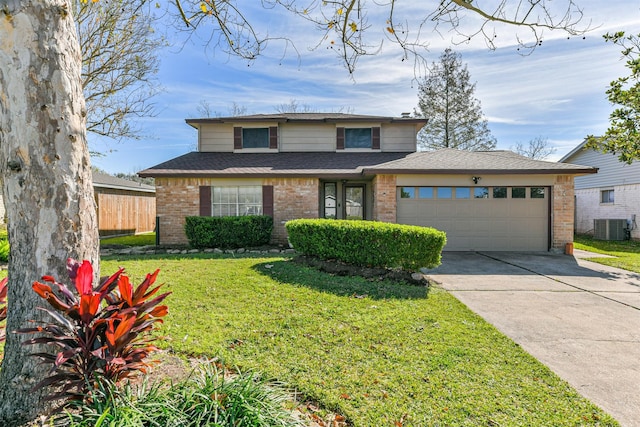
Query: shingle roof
[[451, 161], [263, 164], [306, 117], [107, 181], [332, 164]]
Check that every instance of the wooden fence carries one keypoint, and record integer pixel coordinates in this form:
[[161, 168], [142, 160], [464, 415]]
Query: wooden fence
[[123, 212]]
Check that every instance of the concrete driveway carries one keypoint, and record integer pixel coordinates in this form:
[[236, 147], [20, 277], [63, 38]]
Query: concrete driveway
[[579, 318]]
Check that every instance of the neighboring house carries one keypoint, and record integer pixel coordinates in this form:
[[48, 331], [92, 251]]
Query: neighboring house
[[614, 193], [124, 206], [312, 165]]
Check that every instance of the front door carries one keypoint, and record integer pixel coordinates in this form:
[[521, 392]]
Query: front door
[[354, 202]]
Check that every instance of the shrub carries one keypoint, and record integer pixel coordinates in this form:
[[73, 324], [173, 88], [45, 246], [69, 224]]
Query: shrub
[[4, 244], [368, 243], [228, 231], [101, 332], [3, 306], [4, 250]]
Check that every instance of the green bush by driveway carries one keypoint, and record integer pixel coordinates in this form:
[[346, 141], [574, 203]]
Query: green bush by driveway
[[368, 243]]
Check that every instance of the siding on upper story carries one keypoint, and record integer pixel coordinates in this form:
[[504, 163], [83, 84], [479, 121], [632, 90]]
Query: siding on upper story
[[218, 137], [307, 137], [611, 171]]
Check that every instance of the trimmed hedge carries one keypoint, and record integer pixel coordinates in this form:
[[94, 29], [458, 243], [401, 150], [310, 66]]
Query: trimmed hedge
[[228, 231], [368, 243]]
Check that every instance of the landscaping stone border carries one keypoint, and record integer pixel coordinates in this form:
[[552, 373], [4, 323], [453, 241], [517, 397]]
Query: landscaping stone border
[[153, 250]]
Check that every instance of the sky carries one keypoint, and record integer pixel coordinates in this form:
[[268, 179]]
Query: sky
[[556, 92]]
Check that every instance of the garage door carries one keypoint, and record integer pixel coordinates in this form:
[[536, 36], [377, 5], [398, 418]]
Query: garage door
[[480, 218]]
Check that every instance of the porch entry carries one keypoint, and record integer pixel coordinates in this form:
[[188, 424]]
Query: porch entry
[[344, 200]]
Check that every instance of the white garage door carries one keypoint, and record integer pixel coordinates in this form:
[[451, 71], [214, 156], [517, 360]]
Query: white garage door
[[480, 218]]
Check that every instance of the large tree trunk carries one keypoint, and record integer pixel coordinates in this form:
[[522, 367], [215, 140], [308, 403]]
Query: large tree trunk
[[45, 164]]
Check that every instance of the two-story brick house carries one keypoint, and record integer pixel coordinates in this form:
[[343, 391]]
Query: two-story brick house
[[311, 165]]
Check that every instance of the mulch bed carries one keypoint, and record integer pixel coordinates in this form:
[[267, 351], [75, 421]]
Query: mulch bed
[[340, 268]]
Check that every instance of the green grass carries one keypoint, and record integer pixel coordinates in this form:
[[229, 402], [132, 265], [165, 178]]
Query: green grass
[[145, 239], [626, 252], [377, 352]]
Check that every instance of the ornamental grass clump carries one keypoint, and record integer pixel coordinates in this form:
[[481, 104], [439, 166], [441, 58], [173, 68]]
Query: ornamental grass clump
[[208, 397], [102, 333]]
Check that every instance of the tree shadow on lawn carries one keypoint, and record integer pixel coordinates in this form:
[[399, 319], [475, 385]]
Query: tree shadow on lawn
[[295, 274]]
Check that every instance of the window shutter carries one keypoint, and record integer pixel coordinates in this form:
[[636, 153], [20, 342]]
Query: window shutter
[[273, 137], [205, 200], [375, 138], [237, 138], [267, 200], [340, 138]]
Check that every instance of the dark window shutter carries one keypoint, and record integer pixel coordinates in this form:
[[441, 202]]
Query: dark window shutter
[[267, 200], [205, 201], [340, 138], [237, 138], [375, 138], [273, 137]]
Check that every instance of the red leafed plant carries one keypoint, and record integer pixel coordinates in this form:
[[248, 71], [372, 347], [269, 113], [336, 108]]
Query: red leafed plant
[[101, 334], [3, 305]]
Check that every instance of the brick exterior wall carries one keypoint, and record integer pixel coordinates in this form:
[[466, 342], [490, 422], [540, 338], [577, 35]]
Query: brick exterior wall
[[178, 198], [384, 198], [562, 212], [292, 198], [588, 206]]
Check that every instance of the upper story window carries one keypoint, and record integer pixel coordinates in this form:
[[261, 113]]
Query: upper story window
[[255, 137], [263, 137], [606, 196], [358, 138]]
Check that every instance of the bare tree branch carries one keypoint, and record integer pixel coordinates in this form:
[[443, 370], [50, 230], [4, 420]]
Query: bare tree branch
[[344, 27], [119, 64], [538, 148]]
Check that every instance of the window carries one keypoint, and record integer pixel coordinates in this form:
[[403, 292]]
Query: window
[[499, 192], [518, 193], [357, 138], [407, 193], [444, 192], [606, 196], [463, 193], [425, 192], [537, 192], [330, 200], [480, 192], [236, 201], [255, 137]]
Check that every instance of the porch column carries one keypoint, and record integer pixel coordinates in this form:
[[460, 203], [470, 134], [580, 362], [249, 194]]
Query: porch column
[[384, 198]]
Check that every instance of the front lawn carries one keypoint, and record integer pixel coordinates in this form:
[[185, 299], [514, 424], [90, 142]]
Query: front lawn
[[144, 239], [626, 252], [380, 353]]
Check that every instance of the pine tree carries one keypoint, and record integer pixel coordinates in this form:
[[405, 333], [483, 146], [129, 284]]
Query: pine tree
[[446, 99]]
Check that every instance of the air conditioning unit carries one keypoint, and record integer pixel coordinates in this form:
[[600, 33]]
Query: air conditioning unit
[[609, 229]]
